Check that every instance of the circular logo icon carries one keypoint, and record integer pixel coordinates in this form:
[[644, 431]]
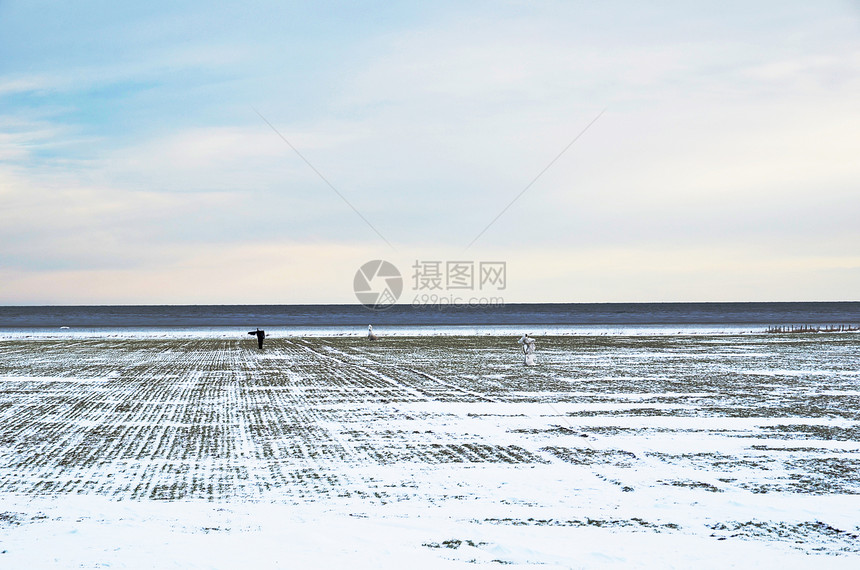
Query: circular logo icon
[[377, 284]]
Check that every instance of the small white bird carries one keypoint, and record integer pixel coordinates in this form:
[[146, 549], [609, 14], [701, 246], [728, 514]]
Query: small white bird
[[370, 335]]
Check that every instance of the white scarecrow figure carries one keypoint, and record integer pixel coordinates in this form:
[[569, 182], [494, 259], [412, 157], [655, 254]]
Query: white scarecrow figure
[[528, 344]]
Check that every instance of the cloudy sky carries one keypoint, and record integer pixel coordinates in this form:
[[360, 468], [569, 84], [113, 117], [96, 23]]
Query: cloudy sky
[[140, 163]]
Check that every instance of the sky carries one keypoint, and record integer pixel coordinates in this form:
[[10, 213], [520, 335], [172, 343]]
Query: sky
[[261, 152]]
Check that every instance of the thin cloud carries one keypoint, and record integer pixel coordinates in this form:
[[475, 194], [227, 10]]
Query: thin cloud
[[130, 137]]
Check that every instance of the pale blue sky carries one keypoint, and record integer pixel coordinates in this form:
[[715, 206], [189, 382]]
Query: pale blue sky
[[134, 168]]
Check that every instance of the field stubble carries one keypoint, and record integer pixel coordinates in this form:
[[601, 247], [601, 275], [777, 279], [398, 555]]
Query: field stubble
[[647, 433]]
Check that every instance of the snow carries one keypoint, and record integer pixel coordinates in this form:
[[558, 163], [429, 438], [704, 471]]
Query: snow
[[203, 452], [71, 333], [72, 531]]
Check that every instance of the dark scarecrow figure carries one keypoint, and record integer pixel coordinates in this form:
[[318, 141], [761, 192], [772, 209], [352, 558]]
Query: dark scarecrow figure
[[260, 336]]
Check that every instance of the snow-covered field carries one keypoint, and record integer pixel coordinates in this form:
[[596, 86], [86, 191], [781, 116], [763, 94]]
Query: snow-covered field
[[710, 450]]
